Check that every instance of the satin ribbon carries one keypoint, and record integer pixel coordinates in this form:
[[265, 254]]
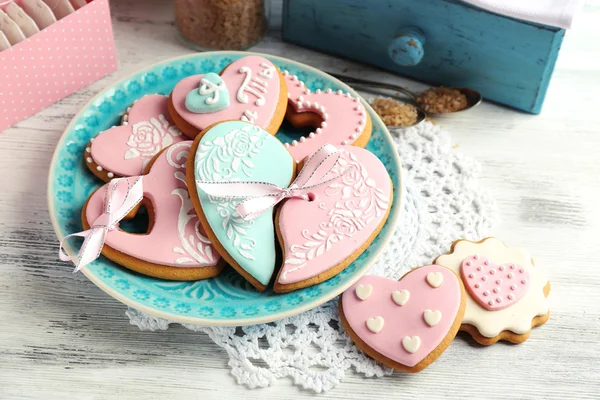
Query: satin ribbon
[[262, 196], [120, 198]]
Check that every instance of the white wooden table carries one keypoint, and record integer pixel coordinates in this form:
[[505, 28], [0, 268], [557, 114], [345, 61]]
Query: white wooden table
[[63, 338]]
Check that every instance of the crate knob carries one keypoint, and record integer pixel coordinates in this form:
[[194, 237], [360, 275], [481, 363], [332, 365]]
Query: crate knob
[[406, 48]]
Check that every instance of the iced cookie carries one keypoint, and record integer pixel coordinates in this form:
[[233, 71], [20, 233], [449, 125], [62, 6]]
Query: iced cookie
[[146, 129], [337, 224], [237, 151], [175, 246], [250, 89], [407, 324], [337, 118], [507, 293]]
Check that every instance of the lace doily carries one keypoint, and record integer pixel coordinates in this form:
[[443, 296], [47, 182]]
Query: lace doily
[[443, 203]]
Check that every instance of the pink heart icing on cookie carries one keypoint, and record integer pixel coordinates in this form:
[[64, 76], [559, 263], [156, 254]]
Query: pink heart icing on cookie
[[320, 234], [126, 150], [176, 238], [409, 332], [344, 119], [254, 89], [493, 286]]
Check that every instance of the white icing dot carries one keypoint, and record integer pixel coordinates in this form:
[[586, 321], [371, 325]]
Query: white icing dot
[[480, 268], [318, 131], [510, 275], [498, 300], [294, 142], [521, 270], [484, 278], [92, 139], [307, 103], [285, 72], [294, 78], [125, 123], [486, 262], [491, 302], [286, 144], [492, 271], [358, 130], [318, 91], [468, 263], [311, 135], [486, 293], [344, 142], [475, 257], [471, 275], [510, 296], [89, 159], [110, 174], [353, 136], [87, 149], [513, 287], [512, 267], [496, 290], [477, 286], [323, 124], [302, 139], [301, 98], [328, 91], [299, 104], [99, 168], [325, 116], [524, 281], [501, 268], [347, 94], [499, 281]]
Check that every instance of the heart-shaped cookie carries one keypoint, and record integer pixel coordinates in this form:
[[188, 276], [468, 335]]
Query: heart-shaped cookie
[[493, 286], [239, 151], [337, 223], [175, 246], [410, 336], [337, 118], [147, 129], [255, 87]]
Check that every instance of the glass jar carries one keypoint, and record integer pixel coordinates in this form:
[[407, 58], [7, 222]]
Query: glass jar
[[221, 24]]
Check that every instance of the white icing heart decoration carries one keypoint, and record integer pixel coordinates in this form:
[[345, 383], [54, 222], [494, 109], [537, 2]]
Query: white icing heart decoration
[[432, 317], [363, 291], [375, 324], [400, 297], [435, 279], [411, 344]]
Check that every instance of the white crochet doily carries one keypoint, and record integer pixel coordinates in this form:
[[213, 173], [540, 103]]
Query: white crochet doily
[[443, 203]]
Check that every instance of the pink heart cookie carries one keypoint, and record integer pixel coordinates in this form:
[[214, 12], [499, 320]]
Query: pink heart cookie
[[323, 236], [257, 93], [338, 118], [493, 286], [406, 324], [147, 129], [175, 247]]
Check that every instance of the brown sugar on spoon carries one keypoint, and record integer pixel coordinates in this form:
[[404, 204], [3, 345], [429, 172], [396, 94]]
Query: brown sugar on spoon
[[394, 113], [442, 100]]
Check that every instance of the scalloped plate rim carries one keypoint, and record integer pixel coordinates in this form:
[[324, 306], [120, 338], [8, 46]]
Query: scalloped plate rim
[[275, 316]]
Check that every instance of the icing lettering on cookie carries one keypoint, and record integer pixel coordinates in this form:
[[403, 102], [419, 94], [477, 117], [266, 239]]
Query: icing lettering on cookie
[[343, 117], [211, 96], [239, 151], [415, 329], [255, 90], [341, 218], [126, 150], [509, 285], [515, 313], [176, 237]]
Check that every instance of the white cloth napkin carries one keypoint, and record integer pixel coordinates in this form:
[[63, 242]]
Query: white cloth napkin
[[558, 13]]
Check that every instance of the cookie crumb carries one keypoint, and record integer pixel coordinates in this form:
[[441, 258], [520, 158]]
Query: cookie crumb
[[394, 113], [442, 100]]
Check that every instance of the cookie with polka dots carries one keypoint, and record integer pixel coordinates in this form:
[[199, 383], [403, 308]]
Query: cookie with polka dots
[[334, 117], [250, 89], [146, 129], [405, 324], [507, 293]]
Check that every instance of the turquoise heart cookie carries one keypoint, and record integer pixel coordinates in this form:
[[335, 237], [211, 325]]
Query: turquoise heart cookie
[[210, 97], [240, 151]]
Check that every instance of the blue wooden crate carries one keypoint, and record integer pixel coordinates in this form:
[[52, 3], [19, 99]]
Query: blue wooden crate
[[442, 42]]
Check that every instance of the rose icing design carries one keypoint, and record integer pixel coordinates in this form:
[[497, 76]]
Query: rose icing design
[[239, 151], [344, 118], [146, 130], [254, 86], [514, 315], [342, 217], [409, 331], [176, 237]]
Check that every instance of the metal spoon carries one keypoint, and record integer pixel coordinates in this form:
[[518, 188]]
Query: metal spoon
[[473, 96]]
